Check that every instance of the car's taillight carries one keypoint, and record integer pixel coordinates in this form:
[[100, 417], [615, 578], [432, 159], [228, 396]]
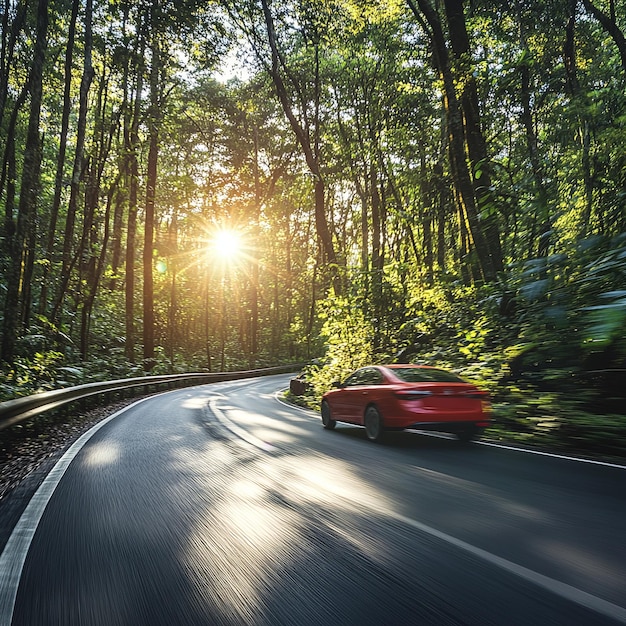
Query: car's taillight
[[476, 395], [412, 394]]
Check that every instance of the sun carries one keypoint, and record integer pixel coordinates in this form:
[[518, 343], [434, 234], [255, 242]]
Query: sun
[[227, 244], [228, 248]]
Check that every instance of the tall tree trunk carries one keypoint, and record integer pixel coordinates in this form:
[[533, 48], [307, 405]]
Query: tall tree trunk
[[58, 180], [533, 150], [28, 262], [92, 261], [474, 138], [359, 178], [8, 226], [4, 56], [131, 142], [172, 247], [95, 272], [121, 198], [119, 204], [609, 24], [9, 155], [207, 326], [9, 38], [441, 234], [223, 289], [456, 138], [584, 132], [427, 197], [309, 147], [151, 182], [254, 281], [29, 189], [79, 165], [377, 255]]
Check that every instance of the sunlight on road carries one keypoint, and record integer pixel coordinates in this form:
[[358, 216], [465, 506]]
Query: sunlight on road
[[196, 402], [256, 528], [102, 454], [265, 428], [583, 561], [273, 510]]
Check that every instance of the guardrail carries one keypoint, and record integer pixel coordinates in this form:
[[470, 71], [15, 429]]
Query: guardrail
[[26, 407]]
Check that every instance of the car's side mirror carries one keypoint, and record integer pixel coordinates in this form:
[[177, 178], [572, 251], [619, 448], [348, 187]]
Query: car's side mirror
[[337, 384]]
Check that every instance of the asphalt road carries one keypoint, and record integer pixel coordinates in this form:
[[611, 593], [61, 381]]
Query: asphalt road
[[221, 505]]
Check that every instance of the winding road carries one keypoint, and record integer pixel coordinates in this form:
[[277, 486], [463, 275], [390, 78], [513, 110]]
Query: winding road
[[220, 504]]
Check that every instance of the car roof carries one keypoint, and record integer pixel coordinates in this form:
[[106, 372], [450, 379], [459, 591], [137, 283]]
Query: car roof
[[392, 366]]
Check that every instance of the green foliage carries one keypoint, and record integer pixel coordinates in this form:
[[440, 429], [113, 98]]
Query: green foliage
[[551, 365], [555, 420], [34, 375], [572, 306], [348, 340]]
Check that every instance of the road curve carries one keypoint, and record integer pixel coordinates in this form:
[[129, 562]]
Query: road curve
[[221, 505]]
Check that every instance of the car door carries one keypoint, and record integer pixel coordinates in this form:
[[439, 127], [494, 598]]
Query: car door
[[362, 391], [345, 400]]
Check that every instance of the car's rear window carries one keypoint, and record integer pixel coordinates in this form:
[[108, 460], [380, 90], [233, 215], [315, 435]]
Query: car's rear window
[[425, 375]]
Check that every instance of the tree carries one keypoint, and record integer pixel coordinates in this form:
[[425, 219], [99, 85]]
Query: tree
[[610, 25], [299, 95], [132, 119], [17, 307], [463, 131], [69, 257], [60, 168], [154, 122]]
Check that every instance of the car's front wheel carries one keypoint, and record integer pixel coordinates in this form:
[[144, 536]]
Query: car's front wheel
[[327, 417], [373, 424]]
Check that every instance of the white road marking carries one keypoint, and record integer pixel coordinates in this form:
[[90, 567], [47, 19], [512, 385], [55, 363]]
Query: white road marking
[[304, 409], [550, 454], [16, 549], [14, 554], [568, 592], [563, 590], [242, 433]]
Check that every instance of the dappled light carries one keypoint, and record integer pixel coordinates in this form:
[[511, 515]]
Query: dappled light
[[264, 517], [195, 191], [191, 187], [277, 512], [102, 454], [266, 427], [194, 402]]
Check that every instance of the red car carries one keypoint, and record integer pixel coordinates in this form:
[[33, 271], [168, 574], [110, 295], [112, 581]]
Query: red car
[[396, 397]]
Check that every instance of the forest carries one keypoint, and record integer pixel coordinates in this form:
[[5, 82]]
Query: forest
[[220, 185]]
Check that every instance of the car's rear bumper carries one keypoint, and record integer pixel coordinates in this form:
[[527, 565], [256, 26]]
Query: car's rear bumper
[[450, 427]]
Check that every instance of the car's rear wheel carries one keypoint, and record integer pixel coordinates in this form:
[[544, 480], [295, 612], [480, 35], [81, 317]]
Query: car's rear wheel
[[373, 424], [327, 417]]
